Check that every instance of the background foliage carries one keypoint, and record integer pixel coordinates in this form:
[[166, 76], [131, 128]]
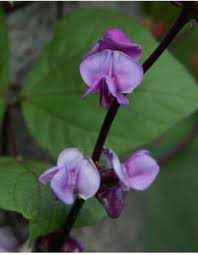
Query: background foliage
[[170, 205]]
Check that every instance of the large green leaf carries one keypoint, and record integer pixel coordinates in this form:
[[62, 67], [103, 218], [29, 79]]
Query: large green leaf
[[171, 212], [4, 61], [186, 49], [156, 11], [20, 191], [52, 105]]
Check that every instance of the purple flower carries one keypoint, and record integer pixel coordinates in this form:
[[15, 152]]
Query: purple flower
[[74, 173], [72, 245], [137, 172], [112, 69]]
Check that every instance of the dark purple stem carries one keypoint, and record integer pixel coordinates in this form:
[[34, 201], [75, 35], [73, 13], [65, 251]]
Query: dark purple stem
[[8, 136], [75, 210], [5, 132]]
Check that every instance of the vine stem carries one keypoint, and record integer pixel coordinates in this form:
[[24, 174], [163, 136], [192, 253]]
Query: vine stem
[[5, 132], [8, 135], [78, 204]]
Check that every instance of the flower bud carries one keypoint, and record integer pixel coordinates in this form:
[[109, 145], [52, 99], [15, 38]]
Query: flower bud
[[113, 200]]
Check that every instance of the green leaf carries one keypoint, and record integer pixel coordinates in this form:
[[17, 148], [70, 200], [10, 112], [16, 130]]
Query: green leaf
[[171, 207], [156, 11], [173, 136], [4, 61], [185, 49], [58, 118], [20, 191]]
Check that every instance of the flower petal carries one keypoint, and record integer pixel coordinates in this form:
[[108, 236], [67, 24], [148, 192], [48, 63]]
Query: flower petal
[[106, 97], [69, 157], [88, 180], [62, 185], [127, 72], [117, 40], [96, 66], [114, 200], [48, 175], [117, 35], [114, 163], [94, 88], [123, 100], [141, 170], [106, 100]]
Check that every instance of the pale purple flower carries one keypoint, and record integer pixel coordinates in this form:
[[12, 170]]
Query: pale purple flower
[[137, 172], [74, 174], [112, 69]]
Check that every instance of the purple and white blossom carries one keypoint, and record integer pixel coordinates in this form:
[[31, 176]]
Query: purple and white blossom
[[112, 68], [137, 172], [74, 174]]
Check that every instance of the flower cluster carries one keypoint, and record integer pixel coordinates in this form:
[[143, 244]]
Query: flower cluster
[[112, 69], [76, 174]]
